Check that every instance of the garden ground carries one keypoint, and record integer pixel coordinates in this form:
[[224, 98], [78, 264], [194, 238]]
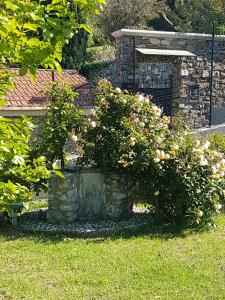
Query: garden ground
[[161, 263]]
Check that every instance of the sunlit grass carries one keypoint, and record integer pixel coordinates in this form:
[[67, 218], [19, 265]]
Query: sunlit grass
[[161, 263]]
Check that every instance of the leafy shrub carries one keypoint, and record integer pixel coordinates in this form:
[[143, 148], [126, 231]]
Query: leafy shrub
[[63, 121], [218, 142], [19, 173], [178, 174], [124, 131], [189, 187], [101, 53]]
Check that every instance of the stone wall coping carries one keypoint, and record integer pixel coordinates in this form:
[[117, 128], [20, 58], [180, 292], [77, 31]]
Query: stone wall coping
[[165, 34], [220, 129]]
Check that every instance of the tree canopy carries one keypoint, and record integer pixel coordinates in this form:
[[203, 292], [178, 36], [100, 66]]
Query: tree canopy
[[198, 16], [75, 52], [33, 33], [127, 14]]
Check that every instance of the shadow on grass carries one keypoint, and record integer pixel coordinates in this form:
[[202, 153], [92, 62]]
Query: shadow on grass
[[151, 231]]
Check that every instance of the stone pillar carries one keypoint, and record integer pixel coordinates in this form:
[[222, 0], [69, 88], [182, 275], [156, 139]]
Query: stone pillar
[[63, 198], [117, 197]]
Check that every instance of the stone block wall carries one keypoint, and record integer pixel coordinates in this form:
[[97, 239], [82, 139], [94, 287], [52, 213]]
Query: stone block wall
[[190, 75], [88, 195], [106, 69]]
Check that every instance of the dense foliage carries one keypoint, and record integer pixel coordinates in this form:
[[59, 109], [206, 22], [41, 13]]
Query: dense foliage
[[32, 34], [198, 16], [180, 176], [34, 27], [19, 173], [63, 121], [75, 52], [123, 126], [120, 14]]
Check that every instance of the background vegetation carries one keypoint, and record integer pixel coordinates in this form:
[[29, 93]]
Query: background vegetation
[[198, 16]]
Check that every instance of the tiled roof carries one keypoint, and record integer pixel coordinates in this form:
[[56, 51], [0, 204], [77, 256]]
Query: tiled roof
[[29, 94]]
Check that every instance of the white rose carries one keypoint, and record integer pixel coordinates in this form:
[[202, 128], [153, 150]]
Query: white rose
[[162, 155], [203, 161], [217, 155], [146, 100], [218, 206], [175, 147], [197, 143], [156, 194], [158, 153], [132, 141], [214, 169], [118, 90], [141, 98], [200, 214], [167, 156], [93, 124], [156, 160], [73, 138], [93, 112], [206, 145], [157, 111]]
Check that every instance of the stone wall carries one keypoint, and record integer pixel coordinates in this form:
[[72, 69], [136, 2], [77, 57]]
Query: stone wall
[[190, 74], [106, 69], [88, 195]]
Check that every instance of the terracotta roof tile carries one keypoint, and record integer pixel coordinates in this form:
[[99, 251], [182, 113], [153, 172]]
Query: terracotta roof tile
[[26, 93]]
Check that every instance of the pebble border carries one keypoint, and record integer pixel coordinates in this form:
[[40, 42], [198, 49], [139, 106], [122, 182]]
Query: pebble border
[[35, 221]]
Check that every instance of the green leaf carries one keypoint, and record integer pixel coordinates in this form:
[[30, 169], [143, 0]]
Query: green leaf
[[56, 1], [58, 173], [11, 5], [30, 26], [23, 70], [58, 66], [33, 42]]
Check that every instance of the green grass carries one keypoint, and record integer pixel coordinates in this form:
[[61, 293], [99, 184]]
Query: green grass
[[161, 263]]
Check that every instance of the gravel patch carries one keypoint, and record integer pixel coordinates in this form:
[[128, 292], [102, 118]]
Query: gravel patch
[[36, 221]]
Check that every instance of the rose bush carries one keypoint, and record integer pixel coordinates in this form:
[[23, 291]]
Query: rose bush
[[62, 122], [124, 130], [180, 176], [190, 185]]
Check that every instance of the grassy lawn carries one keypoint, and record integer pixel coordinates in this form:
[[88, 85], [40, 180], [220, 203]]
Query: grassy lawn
[[158, 264]]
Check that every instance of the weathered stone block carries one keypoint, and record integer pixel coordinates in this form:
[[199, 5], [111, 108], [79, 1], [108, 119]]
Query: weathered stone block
[[88, 195]]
